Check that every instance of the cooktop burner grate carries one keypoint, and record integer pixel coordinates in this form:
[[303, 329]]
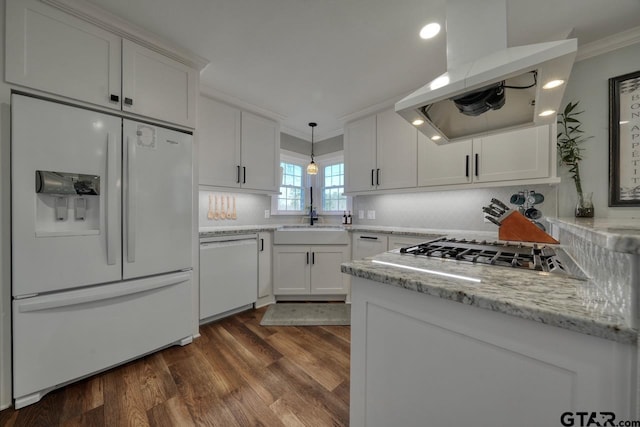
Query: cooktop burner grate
[[505, 254]]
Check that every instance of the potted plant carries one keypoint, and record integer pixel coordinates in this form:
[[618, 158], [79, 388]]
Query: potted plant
[[570, 139]]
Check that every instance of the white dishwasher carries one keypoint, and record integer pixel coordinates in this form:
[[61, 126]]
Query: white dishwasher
[[228, 274]]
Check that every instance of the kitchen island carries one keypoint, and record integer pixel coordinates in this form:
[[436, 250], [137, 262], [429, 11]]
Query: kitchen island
[[483, 345]]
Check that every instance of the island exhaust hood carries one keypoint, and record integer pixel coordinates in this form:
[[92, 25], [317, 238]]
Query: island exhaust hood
[[488, 87]]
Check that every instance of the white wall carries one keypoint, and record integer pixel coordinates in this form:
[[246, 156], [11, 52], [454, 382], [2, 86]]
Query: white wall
[[589, 85], [5, 233], [451, 210]]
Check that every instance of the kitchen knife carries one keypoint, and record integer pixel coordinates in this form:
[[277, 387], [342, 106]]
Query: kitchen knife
[[497, 209], [500, 204], [490, 211], [493, 220]]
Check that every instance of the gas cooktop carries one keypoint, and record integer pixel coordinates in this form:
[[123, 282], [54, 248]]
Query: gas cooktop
[[503, 254]]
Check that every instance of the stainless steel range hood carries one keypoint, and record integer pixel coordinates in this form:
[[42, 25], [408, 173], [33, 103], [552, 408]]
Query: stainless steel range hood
[[483, 74]]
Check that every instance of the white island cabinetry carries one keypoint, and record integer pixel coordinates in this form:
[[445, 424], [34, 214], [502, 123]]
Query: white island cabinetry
[[417, 359]]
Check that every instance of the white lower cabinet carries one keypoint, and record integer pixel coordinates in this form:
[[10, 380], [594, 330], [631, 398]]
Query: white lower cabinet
[[367, 244], [265, 278], [309, 270], [420, 360]]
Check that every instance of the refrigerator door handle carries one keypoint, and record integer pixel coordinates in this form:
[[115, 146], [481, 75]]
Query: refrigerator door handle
[[84, 296], [111, 199], [131, 204]]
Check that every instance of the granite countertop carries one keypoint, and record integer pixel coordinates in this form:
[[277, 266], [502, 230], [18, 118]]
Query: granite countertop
[[616, 234], [542, 297], [399, 231]]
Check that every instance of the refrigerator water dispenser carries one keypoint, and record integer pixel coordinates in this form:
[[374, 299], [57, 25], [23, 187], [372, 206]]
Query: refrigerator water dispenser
[[56, 193]]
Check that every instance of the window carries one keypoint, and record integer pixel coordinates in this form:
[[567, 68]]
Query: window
[[291, 198], [328, 185], [333, 199]]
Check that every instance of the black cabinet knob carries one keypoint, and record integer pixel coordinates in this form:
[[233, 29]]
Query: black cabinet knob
[[128, 101], [114, 98]]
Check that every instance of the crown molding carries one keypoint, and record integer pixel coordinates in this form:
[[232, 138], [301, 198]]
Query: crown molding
[[217, 95], [116, 25], [608, 44], [375, 108]]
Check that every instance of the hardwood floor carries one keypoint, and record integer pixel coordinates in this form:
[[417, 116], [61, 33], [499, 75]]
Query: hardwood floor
[[237, 373]]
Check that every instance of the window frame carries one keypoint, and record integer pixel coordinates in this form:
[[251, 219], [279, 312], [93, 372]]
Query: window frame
[[324, 161], [298, 160]]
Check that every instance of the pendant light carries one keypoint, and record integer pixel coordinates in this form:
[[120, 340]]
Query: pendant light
[[312, 168]]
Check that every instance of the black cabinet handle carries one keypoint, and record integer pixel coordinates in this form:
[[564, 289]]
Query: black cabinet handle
[[244, 174], [466, 168], [477, 165], [261, 245], [238, 174], [369, 237], [307, 257], [372, 184], [377, 176], [114, 98], [128, 101], [313, 257]]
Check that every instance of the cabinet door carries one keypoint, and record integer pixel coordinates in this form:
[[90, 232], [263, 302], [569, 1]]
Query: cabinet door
[[366, 244], [326, 277], [360, 154], [48, 50], [219, 140], [265, 282], [156, 86], [396, 152], [260, 153], [291, 270], [443, 164], [519, 154]]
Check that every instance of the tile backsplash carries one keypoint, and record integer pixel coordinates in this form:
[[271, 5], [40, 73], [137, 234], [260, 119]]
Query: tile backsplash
[[451, 209]]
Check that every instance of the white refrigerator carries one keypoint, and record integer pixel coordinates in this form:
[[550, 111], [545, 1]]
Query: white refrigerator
[[101, 242]]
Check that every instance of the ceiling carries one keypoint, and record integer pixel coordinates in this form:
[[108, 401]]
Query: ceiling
[[328, 60]]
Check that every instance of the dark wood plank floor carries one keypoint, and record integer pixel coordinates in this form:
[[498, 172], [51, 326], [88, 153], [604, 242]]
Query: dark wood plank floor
[[237, 374]]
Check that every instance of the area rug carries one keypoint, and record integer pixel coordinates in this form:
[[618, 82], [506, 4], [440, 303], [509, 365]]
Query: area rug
[[307, 314]]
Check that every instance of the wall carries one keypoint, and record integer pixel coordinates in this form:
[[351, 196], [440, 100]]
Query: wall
[[589, 85], [451, 210], [250, 211], [5, 233], [297, 145]]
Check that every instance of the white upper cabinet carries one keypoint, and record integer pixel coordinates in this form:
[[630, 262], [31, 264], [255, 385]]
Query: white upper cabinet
[[360, 154], [396, 152], [522, 154], [55, 52], [219, 143], [260, 153], [443, 164], [156, 86], [48, 50], [519, 154], [380, 153], [237, 149]]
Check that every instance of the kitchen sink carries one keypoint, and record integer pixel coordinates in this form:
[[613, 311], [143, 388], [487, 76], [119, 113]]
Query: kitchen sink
[[310, 235]]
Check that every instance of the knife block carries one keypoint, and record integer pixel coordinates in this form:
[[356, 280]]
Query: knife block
[[515, 227]]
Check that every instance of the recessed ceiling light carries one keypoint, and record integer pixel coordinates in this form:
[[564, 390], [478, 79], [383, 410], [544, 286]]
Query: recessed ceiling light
[[435, 137], [430, 30], [417, 122], [439, 82], [553, 83], [547, 113]]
